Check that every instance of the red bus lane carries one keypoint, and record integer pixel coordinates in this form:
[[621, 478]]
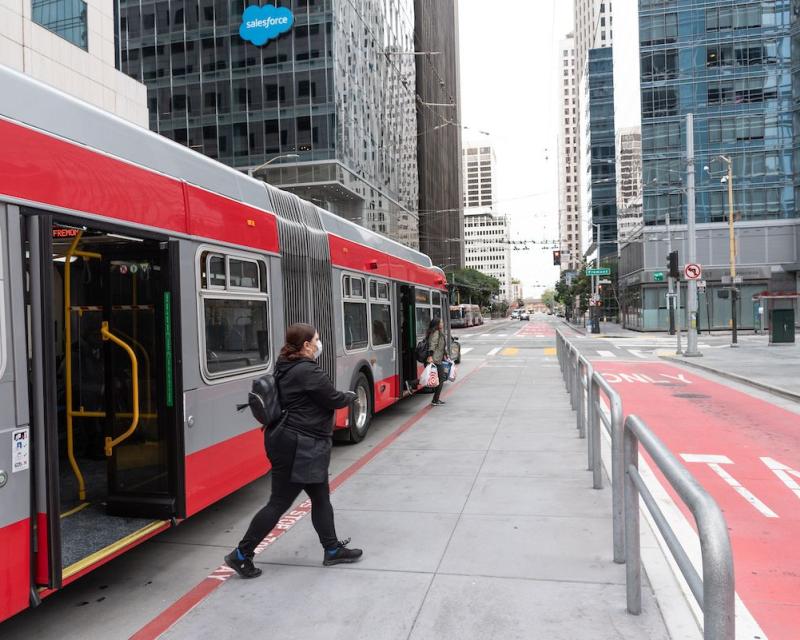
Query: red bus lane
[[746, 453]]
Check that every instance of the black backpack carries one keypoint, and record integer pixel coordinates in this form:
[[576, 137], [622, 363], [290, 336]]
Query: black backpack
[[421, 352], [264, 401]]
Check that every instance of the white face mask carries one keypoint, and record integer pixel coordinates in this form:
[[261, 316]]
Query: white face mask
[[318, 352]]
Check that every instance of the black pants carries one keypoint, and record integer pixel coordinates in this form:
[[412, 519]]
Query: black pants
[[284, 492], [442, 377]]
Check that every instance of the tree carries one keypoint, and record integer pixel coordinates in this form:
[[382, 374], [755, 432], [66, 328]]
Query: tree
[[472, 286], [549, 299], [575, 294]]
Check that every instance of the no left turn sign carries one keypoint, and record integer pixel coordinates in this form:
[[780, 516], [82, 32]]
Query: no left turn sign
[[693, 271]]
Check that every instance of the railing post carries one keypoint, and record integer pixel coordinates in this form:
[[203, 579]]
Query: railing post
[[618, 474], [575, 380], [719, 604], [595, 450], [580, 412], [633, 559]]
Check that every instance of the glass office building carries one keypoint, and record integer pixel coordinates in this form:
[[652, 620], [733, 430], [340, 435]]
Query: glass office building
[[332, 101], [600, 137], [730, 64]]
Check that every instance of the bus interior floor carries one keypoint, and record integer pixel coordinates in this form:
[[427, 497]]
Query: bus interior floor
[[89, 530], [95, 478]]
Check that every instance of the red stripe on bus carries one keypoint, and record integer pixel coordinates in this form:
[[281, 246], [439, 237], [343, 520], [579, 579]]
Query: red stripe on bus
[[15, 567], [172, 614], [40, 168], [213, 215], [347, 254], [216, 471]]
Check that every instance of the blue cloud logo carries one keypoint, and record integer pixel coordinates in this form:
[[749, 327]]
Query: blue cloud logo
[[262, 24]]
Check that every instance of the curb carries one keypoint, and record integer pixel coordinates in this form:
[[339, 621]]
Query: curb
[[777, 391]]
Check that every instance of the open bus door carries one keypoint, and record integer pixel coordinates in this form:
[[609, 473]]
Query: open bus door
[[103, 362], [406, 320]]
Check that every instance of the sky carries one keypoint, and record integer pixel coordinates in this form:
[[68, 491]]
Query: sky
[[510, 59]]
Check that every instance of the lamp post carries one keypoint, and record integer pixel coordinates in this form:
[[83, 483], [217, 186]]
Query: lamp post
[[732, 252], [252, 172]]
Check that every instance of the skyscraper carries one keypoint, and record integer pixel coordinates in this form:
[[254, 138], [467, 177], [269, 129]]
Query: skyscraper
[[730, 64], [331, 103], [441, 217], [569, 213], [487, 235], [629, 182], [594, 29]]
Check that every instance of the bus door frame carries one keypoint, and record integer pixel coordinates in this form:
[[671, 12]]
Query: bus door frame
[[42, 384]]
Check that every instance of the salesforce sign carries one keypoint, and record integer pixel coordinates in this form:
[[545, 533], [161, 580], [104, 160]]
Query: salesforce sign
[[262, 24]]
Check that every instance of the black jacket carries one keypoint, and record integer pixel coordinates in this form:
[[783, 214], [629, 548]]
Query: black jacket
[[309, 396]]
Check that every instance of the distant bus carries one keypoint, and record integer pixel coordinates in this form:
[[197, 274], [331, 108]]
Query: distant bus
[[465, 315]]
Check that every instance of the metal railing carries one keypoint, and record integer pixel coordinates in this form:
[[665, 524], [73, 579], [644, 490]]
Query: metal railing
[[715, 591]]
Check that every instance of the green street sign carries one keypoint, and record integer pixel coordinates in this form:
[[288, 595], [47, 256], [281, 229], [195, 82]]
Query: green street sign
[[602, 271], [658, 276]]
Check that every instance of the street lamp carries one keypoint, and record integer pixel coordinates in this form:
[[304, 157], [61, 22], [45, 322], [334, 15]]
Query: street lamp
[[731, 250], [251, 172]]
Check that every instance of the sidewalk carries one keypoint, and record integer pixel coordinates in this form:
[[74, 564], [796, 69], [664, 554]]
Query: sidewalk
[[607, 330], [478, 522], [756, 363]]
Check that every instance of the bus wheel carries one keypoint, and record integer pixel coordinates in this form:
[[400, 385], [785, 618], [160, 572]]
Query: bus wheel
[[361, 415]]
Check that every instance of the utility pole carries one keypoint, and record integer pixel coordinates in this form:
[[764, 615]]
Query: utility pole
[[732, 252], [691, 295]]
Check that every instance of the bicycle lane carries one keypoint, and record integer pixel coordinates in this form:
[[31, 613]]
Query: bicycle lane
[[746, 453]]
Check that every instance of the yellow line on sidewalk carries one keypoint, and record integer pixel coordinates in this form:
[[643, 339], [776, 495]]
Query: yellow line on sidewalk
[[550, 351]]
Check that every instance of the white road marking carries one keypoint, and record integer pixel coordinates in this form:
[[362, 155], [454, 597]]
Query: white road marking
[[502, 335], [606, 354], [494, 351], [784, 472], [639, 354], [466, 351], [715, 463], [486, 335]]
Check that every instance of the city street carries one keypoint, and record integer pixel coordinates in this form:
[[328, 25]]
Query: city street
[[499, 469], [740, 443]]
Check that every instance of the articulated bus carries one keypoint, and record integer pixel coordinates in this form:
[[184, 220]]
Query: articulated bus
[[143, 287]]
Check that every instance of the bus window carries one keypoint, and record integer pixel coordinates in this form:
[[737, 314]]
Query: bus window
[[356, 335], [235, 315], [423, 296], [380, 313], [423, 320], [2, 311]]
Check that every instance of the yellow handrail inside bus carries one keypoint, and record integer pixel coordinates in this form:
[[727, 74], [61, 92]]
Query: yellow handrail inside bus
[[113, 442], [72, 251]]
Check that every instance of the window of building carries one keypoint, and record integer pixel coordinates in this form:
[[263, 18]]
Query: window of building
[[65, 18], [354, 294], [234, 304]]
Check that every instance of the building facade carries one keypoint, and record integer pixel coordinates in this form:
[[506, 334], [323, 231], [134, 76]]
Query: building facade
[[594, 29], [569, 212], [441, 214], [478, 167], [729, 64], [629, 182], [331, 104], [487, 246], [69, 45], [600, 176]]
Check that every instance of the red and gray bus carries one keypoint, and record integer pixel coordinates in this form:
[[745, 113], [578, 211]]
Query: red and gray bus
[[143, 287]]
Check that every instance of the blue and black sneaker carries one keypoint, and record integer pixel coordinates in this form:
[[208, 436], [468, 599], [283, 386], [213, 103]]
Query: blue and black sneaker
[[341, 554], [242, 565]]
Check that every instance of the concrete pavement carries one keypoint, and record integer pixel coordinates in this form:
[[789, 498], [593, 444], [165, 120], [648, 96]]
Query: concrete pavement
[[478, 521]]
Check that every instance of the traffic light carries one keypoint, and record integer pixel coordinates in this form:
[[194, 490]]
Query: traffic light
[[672, 265], [557, 258]]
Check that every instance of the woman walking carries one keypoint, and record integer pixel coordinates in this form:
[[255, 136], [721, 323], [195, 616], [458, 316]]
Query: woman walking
[[299, 450], [437, 352]]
